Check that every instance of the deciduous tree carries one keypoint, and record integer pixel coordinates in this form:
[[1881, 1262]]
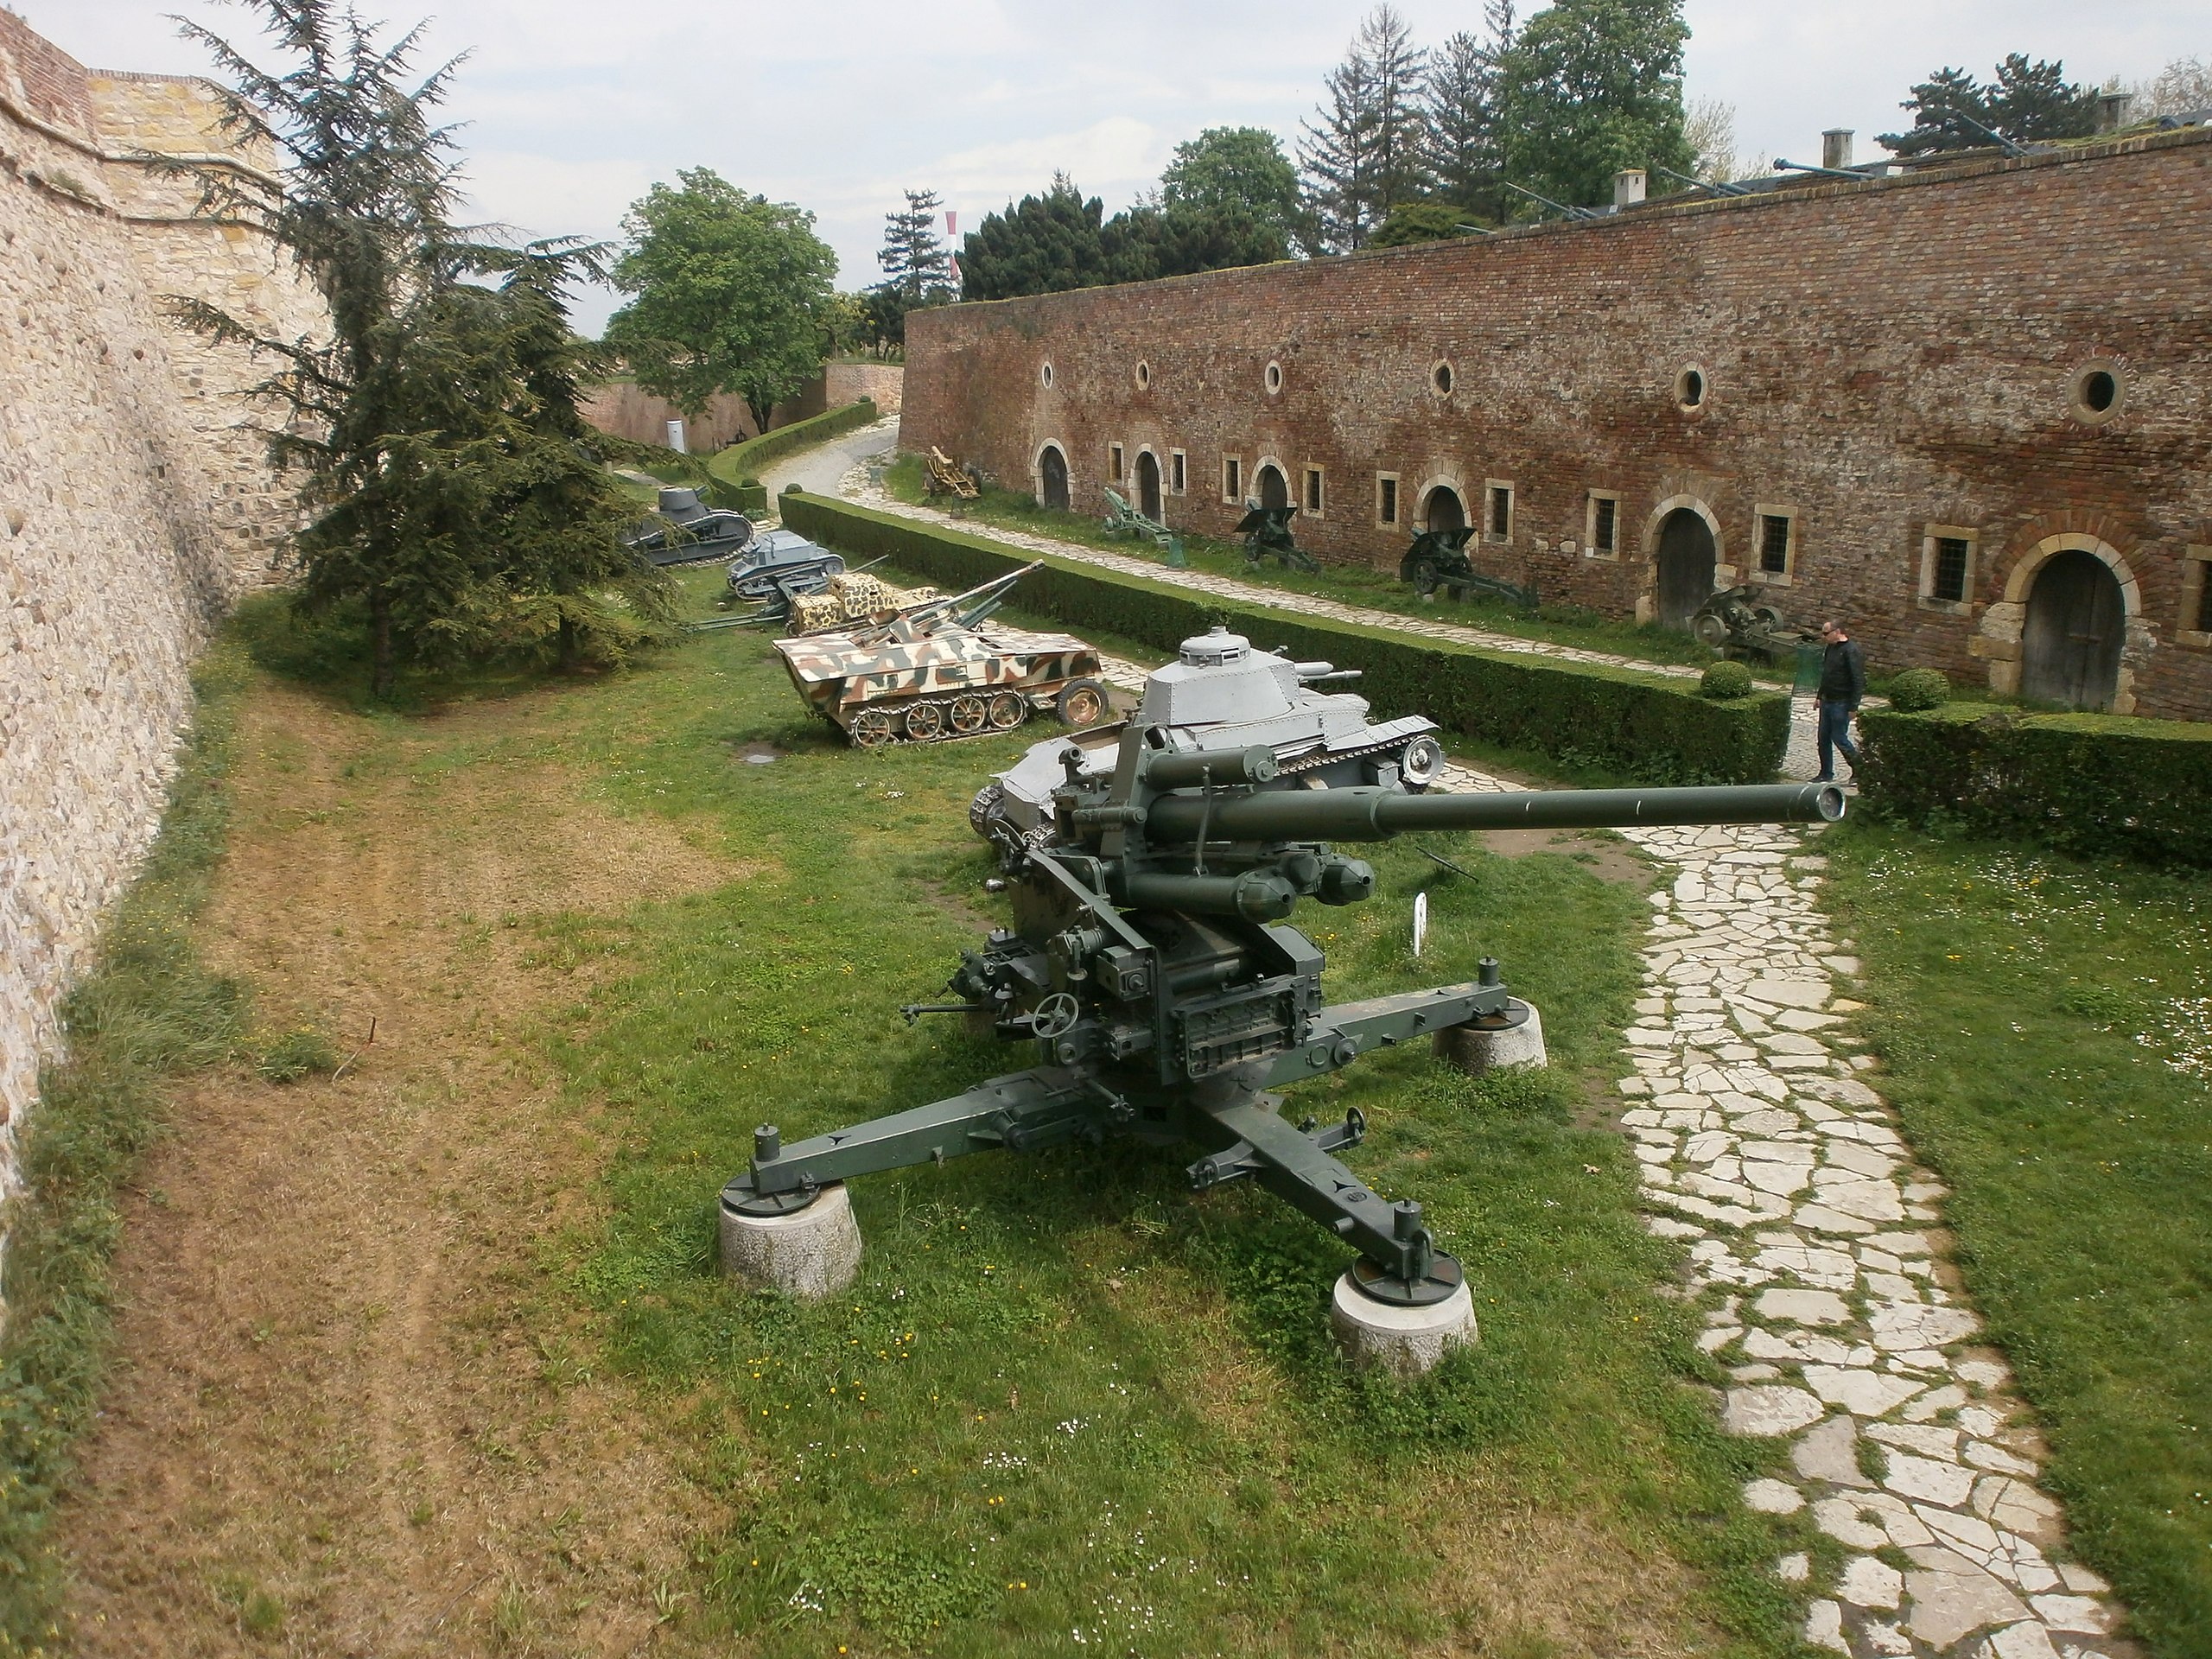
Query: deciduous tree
[[1591, 86], [1230, 176], [731, 291]]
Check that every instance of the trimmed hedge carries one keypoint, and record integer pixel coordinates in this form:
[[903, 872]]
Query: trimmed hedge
[[1648, 727], [2087, 784], [728, 469]]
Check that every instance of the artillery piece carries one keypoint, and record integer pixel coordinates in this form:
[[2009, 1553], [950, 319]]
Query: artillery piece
[[1742, 619], [1150, 971], [1267, 535], [1438, 558]]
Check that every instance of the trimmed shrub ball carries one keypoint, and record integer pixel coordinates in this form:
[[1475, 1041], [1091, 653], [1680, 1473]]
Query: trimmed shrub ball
[[1724, 680], [1919, 688]]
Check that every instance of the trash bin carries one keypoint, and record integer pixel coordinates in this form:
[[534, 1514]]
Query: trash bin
[[1810, 657]]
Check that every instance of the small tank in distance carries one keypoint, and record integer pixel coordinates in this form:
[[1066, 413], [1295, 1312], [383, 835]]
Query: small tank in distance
[[935, 671], [780, 564], [686, 532], [1221, 696]]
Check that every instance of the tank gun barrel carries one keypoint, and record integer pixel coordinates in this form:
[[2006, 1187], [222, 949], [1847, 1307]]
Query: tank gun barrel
[[1379, 814]]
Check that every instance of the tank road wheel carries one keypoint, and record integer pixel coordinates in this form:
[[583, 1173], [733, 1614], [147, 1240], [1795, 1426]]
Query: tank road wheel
[[1008, 710], [1081, 702], [970, 714], [872, 729], [925, 721]]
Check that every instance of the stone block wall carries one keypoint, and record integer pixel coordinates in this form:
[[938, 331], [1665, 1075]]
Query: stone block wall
[[131, 514], [1880, 363], [621, 408]]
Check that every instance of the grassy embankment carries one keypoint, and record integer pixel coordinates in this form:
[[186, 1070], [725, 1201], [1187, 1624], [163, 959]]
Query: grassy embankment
[[1069, 1403], [1562, 625], [2049, 1042]]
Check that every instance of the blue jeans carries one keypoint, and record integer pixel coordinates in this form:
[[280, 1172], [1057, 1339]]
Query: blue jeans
[[1835, 733]]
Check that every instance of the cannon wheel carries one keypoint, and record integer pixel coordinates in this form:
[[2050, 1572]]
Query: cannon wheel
[[924, 721], [1770, 618], [970, 714], [1425, 578], [1081, 702], [1008, 710], [871, 728], [1709, 630]]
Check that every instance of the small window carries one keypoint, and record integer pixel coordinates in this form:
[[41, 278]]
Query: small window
[[1232, 479], [1950, 580], [2097, 393], [1948, 553], [1773, 545], [1313, 491], [1113, 460], [1605, 528], [1175, 473], [1689, 389], [1441, 378], [1274, 378], [1386, 498], [1497, 512], [2195, 598]]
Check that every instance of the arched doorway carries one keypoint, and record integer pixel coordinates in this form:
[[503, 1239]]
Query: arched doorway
[[1442, 509], [1148, 486], [1052, 478], [1274, 488], [1684, 562], [2076, 623]]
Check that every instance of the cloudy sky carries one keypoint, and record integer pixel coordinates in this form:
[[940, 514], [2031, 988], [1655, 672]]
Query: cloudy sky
[[575, 107]]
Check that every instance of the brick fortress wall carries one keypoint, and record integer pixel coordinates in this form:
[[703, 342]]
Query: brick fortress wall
[[131, 513], [1880, 360]]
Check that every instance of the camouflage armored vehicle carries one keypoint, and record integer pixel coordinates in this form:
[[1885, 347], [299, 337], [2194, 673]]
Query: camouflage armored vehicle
[[1222, 697], [935, 671], [852, 599], [688, 532]]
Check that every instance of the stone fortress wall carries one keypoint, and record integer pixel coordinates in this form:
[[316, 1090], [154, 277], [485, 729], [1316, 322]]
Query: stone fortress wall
[[132, 512], [1877, 398]]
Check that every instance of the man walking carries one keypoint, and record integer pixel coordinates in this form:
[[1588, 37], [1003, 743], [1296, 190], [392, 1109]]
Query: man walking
[[1843, 683]]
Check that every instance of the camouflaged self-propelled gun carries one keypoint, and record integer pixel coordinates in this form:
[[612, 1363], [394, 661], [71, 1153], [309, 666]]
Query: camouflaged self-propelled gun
[[1221, 696], [1150, 967], [935, 671]]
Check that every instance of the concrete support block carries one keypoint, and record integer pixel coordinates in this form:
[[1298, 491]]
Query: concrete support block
[[1473, 1049], [810, 1253], [1404, 1341]]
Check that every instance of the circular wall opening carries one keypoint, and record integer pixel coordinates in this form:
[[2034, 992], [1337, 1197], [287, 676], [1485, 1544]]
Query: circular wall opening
[[1689, 388], [2097, 391], [1144, 375], [1273, 377], [1044, 374], [1439, 379]]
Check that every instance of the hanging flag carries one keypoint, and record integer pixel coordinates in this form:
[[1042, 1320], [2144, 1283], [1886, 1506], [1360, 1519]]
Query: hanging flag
[[951, 254]]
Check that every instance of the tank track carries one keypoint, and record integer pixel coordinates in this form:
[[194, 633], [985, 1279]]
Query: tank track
[[944, 733], [1320, 758]]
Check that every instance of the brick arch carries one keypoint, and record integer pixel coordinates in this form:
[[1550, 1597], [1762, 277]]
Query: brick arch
[[1998, 630]]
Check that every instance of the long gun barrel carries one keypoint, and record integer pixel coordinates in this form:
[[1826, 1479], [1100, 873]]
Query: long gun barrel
[[1379, 814]]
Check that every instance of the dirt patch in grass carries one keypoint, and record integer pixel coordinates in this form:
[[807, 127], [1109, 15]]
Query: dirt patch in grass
[[350, 1418]]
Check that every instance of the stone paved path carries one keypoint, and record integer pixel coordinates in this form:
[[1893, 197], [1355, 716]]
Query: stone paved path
[[1768, 1155]]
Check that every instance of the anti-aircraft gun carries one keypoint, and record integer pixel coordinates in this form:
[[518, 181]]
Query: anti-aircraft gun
[[1151, 972]]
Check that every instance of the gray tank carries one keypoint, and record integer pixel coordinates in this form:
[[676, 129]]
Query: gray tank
[[1220, 696]]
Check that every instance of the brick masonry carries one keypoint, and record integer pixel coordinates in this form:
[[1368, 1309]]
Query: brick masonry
[[1877, 358], [624, 411], [132, 511]]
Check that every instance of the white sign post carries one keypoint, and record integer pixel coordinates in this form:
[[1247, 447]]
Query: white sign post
[[1420, 921], [676, 437]]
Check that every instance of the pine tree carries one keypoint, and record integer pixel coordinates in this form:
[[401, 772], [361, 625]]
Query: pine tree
[[1363, 150], [914, 259], [1463, 140], [2028, 102]]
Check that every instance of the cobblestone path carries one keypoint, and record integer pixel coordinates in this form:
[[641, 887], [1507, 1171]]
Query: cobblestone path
[[1767, 1153]]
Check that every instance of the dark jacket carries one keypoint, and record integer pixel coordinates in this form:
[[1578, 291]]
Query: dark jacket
[[1843, 675]]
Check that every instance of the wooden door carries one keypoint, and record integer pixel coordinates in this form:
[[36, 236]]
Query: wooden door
[[1685, 561], [2070, 647]]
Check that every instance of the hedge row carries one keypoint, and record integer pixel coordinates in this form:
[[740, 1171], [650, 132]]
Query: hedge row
[[2096, 785], [1648, 727], [728, 469]]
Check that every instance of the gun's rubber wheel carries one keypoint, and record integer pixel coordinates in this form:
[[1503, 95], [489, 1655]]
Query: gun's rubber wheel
[[1081, 703]]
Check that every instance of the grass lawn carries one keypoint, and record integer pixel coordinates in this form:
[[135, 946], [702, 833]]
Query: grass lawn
[[1070, 1405], [1351, 584], [2049, 1042]]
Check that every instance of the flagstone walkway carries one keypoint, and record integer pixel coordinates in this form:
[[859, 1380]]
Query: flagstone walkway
[[1767, 1153]]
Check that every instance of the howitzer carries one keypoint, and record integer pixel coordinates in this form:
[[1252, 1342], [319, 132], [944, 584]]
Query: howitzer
[[1150, 970]]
